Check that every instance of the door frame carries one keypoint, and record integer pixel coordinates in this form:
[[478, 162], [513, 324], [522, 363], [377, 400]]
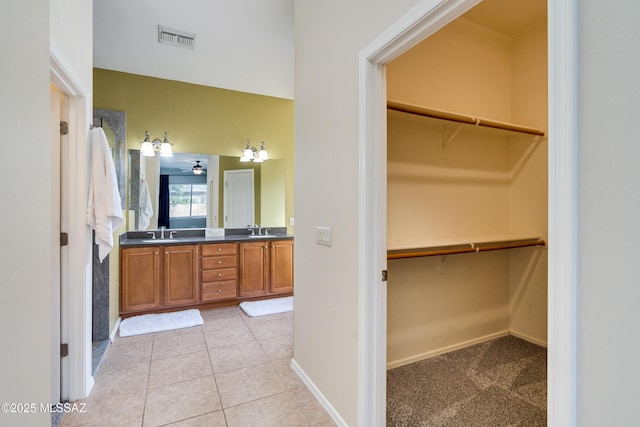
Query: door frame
[[423, 20], [76, 267]]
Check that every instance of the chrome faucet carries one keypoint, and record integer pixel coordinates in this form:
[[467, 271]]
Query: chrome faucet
[[162, 232], [171, 233], [253, 232], [152, 234], [259, 230]]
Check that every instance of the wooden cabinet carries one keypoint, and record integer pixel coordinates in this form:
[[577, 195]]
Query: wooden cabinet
[[281, 266], [180, 277], [218, 271], [265, 267], [153, 278], [157, 277], [254, 268], [139, 279]]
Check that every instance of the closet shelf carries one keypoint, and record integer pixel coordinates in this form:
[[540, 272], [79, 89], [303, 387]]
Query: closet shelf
[[460, 118], [465, 246]]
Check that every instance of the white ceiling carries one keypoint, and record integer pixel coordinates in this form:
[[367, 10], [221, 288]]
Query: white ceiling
[[244, 45]]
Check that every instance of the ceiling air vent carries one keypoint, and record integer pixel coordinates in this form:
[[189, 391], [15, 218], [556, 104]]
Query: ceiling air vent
[[176, 37]]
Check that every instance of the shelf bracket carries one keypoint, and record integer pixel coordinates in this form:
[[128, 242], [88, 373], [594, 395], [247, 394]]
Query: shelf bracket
[[442, 264], [449, 132]]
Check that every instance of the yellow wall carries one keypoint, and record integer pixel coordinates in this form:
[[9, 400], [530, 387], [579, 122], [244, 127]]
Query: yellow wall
[[484, 183], [528, 191], [198, 119]]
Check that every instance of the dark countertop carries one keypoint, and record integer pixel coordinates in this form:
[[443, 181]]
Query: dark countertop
[[192, 237]]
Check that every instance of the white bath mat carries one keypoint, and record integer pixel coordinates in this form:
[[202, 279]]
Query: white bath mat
[[268, 306], [148, 323]]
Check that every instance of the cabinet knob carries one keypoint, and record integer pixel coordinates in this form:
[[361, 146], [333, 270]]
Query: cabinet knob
[[219, 262], [219, 249], [219, 291], [156, 253], [219, 274]]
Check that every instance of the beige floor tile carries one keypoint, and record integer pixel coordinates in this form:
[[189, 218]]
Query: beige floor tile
[[118, 378], [280, 410], [277, 347], [184, 367], [174, 345], [215, 325], [288, 376], [133, 338], [212, 419], [238, 356], [313, 410], [247, 384], [120, 409], [182, 331], [288, 316], [232, 312], [271, 328], [179, 401], [227, 336], [125, 351]]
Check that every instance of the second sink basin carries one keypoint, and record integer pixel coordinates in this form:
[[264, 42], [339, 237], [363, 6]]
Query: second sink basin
[[160, 240]]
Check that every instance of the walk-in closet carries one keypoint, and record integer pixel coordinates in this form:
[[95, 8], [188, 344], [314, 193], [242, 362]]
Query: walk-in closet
[[467, 221]]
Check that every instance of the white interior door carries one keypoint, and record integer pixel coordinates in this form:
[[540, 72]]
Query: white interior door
[[239, 209]]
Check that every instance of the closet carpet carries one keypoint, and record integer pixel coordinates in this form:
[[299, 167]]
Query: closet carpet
[[502, 382]]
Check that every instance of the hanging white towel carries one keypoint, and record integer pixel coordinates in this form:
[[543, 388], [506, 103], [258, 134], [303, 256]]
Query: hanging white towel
[[104, 212], [146, 208]]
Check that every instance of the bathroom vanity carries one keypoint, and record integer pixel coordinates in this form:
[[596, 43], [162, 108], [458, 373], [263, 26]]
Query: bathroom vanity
[[195, 271]]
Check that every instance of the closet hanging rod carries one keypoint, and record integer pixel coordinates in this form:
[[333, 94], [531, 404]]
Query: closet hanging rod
[[460, 118], [470, 248]]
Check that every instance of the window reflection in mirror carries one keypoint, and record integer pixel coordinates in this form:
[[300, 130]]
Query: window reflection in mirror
[[197, 201]]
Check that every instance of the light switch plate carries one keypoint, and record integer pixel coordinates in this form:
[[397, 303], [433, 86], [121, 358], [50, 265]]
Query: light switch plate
[[323, 236]]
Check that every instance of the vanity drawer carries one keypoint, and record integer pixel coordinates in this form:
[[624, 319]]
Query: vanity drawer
[[219, 262], [219, 275], [219, 249], [214, 291]]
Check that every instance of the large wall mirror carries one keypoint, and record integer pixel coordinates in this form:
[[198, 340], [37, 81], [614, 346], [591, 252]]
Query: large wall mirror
[[226, 194]]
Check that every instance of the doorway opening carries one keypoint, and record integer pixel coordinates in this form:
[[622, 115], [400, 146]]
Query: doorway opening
[[422, 22]]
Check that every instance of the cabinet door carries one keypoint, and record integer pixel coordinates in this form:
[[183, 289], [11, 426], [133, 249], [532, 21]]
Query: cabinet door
[[139, 279], [281, 266], [180, 275], [253, 269]]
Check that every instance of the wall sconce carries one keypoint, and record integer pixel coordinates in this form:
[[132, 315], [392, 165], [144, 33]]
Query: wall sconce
[[149, 148], [253, 154], [197, 169]]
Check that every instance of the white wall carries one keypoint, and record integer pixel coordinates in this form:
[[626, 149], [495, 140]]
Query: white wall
[[609, 209], [25, 254], [329, 36]]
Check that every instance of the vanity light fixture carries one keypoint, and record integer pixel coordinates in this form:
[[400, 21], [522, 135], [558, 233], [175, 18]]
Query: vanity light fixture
[[253, 154], [149, 148], [197, 169]]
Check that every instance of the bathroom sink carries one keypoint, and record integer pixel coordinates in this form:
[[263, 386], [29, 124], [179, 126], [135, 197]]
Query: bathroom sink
[[160, 240], [260, 237]]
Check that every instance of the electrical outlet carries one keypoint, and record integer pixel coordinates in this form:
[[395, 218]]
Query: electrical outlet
[[323, 236], [290, 221]]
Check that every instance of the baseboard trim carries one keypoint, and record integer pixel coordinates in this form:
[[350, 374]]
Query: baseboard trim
[[318, 395], [528, 338], [439, 351], [112, 336]]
